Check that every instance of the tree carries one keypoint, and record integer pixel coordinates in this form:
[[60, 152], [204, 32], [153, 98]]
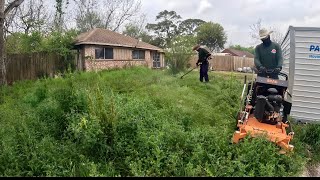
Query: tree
[[58, 22], [212, 35], [118, 12], [31, 16], [254, 30], [21, 43], [240, 48], [166, 28], [87, 16], [3, 14], [179, 53], [136, 28], [190, 26], [132, 31], [276, 36], [108, 14]]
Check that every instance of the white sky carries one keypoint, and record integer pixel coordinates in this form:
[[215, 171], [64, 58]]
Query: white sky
[[236, 16]]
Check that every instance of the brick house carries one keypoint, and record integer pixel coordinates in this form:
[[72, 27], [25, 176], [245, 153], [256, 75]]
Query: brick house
[[104, 49]]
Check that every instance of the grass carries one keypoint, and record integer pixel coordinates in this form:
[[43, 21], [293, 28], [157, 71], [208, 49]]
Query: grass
[[136, 122]]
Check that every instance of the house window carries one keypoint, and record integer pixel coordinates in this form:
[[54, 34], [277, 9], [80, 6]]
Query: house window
[[138, 54], [156, 60], [104, 53]]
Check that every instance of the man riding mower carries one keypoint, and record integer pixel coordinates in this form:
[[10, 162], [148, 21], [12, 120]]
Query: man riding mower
[[264, 110]]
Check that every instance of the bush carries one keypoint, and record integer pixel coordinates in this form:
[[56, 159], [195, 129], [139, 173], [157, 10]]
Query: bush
[[180, 53], [309, 135]]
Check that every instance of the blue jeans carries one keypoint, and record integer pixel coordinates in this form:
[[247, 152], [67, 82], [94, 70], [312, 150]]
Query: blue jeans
[[204, 72]]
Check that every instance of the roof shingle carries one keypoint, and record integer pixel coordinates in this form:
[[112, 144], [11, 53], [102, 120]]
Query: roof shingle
[[100, 36]]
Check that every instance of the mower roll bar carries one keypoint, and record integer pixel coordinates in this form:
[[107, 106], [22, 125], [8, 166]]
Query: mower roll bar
[[269, 71], [284, 75]]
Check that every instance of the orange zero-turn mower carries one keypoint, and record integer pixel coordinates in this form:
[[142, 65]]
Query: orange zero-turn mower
[[264, 112]]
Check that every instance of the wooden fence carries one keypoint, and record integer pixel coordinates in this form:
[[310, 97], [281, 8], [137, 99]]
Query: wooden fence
[[227, 63], [230, 63], [33, 66]]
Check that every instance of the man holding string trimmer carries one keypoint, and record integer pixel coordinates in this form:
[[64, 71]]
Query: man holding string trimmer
[[203, 62]]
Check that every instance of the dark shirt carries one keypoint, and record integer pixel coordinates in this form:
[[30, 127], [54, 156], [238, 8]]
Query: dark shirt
[[269, 57], [203, 55]]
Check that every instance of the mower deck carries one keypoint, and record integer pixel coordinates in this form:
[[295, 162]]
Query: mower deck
[[274, 133]]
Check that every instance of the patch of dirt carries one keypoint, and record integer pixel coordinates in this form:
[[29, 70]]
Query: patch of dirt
[[312, 171]]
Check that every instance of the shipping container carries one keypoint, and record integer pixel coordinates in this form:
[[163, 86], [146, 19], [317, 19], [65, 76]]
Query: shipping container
[[301, 53]]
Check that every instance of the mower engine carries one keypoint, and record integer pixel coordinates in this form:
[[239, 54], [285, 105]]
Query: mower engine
[[267, 109]]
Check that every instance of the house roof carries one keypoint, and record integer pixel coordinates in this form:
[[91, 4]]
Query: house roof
[[106, 37], [238, 53]]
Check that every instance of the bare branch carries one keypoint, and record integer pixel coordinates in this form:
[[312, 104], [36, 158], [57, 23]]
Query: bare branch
[[255, 28], [276, 36], [12, 5], [9, 20], [88, 15], [120, 11], [31, 16]]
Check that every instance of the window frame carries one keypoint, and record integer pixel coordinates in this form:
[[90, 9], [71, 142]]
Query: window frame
[[104, 53], [140, 56]]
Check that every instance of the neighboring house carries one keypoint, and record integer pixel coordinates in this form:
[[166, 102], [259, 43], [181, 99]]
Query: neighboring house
[[103, 49], [238, 53]]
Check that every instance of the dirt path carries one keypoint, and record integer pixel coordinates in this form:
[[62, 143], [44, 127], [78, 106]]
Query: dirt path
[[312, 171]]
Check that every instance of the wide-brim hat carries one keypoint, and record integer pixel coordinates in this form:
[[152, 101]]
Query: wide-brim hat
[[263, 33], [195, 47]]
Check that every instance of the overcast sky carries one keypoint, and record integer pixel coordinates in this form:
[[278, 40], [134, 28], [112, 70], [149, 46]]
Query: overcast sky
[[236, 16]]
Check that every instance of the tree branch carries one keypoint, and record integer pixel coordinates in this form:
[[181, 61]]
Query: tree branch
[[12, 5]]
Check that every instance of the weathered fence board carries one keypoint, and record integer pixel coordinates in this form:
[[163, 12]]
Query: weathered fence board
[[33, 66], [226, 63]]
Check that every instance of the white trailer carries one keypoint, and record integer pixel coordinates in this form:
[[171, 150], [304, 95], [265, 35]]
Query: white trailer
[[301, 52]]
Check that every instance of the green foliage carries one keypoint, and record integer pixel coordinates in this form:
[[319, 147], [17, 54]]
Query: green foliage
[[135, 31], [212, 35], [167, 26], [190, 26], [56, 42], [58, 19], [132, 30], [180, 52], [62, 43], [310, 135], [38, 96], [135, 122], [88, 21], [22, 43], [239, 47]]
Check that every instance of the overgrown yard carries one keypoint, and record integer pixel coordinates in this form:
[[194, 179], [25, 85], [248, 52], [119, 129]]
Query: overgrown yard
[[136, 122]]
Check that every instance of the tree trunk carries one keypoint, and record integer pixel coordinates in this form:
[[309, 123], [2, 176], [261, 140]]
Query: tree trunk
[[3, 80], [3, 14]]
